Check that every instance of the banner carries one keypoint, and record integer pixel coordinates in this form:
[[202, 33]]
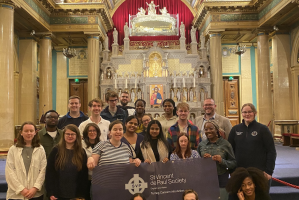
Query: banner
[[156, 181]]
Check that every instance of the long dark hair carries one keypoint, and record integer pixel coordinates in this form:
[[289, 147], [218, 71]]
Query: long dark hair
[[178, 151], [62, 154], [20, 140], [85, 134], [173, 104], [148, 138]]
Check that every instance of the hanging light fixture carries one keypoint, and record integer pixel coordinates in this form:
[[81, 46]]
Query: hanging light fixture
[[239, 49], [69, 52]]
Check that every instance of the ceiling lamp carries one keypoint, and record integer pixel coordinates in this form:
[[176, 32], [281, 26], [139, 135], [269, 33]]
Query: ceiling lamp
[[69, 53], [239, 49]]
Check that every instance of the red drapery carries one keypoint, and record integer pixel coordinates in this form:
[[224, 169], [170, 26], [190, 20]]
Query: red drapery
[[121, 16]]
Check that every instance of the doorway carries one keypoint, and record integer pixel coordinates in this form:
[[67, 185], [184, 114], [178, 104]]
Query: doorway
[[80, 89]]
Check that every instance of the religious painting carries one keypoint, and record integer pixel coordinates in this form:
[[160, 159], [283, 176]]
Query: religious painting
[[155, 65], [156, 96]]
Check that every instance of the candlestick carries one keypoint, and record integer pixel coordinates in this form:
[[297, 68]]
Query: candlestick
[[194, 82], [174, 82], [126, 84], [184, 82], [115, 85], [135, 82]]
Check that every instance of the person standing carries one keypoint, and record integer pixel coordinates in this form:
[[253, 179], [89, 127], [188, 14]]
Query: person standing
[[139, 113], [50, 134], [74, 116], [26, 165], [210, 114], [253, 143], [169, 117], [124, 100], [145, 121], [95, 106]]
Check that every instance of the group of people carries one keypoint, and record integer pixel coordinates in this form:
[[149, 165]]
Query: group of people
[[61, 156]]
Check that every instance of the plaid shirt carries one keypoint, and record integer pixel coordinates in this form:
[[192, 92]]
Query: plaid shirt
[[193, 132]]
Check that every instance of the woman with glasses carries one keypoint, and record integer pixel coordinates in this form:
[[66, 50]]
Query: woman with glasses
[[145, 121], [253, 143], [169, 118], [131, 138], [67, 174]]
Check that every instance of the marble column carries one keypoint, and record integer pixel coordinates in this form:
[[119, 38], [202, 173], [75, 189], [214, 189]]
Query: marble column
[[27, 80], [295, 91], [6, 76], [265, 110], [93, 67], [45, 75], [216, 71]]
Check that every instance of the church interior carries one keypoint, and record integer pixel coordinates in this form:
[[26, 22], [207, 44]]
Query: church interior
[[234, 51]]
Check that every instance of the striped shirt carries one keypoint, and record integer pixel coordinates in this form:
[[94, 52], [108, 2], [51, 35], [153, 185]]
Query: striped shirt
[[111, 155]]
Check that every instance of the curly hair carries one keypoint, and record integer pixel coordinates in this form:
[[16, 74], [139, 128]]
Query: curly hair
[[237, 178]]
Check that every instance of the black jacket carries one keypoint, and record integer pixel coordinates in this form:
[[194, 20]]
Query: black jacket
[[119, 115]]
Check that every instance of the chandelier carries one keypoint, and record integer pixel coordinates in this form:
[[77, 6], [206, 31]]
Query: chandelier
[[239, 49], [69, 53]]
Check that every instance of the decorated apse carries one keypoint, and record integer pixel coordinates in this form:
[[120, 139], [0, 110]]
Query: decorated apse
[[157, 70]]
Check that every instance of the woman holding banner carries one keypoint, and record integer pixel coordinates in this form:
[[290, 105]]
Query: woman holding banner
[[183, 149], [219, 150], [154, 147]]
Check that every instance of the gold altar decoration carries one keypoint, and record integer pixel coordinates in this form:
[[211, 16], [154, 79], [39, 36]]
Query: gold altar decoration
[[155, 65], [165, 44]]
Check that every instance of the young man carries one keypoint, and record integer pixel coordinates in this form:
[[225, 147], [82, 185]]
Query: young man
[[113, 112], [50, 134], [183, 125], [210, 114], [74, 116], [190, 195], [95, 106], [124, 100]]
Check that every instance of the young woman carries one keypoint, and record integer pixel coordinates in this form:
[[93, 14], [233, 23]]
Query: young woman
[[219, 150], [112, 151], [145, 121], [248, 184], [137, 196], [67, 174], [131, 138], [154, 147], [139, 113], [183, 149], [26, 165], [169, 118]]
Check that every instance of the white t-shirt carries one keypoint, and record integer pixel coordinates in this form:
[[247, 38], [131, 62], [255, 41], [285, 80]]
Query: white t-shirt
[[52, 134], [103, 125]]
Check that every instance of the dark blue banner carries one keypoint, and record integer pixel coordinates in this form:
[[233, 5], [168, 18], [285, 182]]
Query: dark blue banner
[[157, 181]]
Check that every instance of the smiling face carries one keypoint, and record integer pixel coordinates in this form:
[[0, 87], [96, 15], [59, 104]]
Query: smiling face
[[96, 108], [131, 126], [210, 131], [190, 196], [168, 108], [209, 106], [248, 187], [145, 120], [28, 133], [248, 114], [139, 107], [117, 132], [124, 99], [182, 113], [70, 137], [51, 119], [92, 133], [154, 131], [74, 105]]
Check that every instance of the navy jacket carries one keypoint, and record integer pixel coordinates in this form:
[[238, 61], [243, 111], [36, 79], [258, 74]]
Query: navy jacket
[[119, 115]]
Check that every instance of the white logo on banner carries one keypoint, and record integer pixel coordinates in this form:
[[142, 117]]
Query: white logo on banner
[[136, 185]]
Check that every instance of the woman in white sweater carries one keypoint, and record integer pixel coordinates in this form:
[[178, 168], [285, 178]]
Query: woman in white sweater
[[26, 165]]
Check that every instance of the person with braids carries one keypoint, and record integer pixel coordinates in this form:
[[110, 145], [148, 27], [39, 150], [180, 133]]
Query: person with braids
[[154, 146], [248, 184], [221, 151], [67, 173], [183, 149], [169, 118], [139, 113]]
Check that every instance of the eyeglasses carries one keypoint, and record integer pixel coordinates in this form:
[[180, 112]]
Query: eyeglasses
[[208, 105], [70, 134], [146, 120], [92, 131], [113, 100], [247, 112]]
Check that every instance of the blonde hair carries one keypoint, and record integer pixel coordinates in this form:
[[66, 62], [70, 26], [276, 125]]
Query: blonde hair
[[183, 105], [251, 106]]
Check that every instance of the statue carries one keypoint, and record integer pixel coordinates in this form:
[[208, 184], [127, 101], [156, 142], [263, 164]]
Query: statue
[[106, 42], [102, 76], [108, 73], [100, 47], [172, 94], [178, 95], [164, 11], [185, 94], [191, 95], [202, 41], [115, 36], [141, 12], [193, 34], [182, 30], [151, 8], [126, 30], [132, 95], [139, 94], [208, 47]]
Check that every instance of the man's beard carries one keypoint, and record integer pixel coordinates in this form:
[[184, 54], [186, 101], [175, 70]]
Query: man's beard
[[123, 103]]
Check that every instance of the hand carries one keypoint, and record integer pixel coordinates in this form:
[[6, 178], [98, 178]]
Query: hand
[[53, 198], [240, 195], [147, 161], [267, 176], [90, 163], [31, 192], [137, 162], [165, 160], [206, 155], [24, 192], [217, 158]]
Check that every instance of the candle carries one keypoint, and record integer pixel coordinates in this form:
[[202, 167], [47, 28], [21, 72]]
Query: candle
[[126, 84], [136, 82], [174, 82], [184, 82], [115, 85], [194, 82]]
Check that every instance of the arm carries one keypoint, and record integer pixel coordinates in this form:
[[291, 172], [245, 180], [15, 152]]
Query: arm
[[227, 128], [270, 150], [42, 173], [229, 161], [231, 138], [93, 161], [52, 177]]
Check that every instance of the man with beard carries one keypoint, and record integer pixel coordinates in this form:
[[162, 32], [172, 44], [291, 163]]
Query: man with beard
[[210, 114], [124, 100], [50, 134]]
